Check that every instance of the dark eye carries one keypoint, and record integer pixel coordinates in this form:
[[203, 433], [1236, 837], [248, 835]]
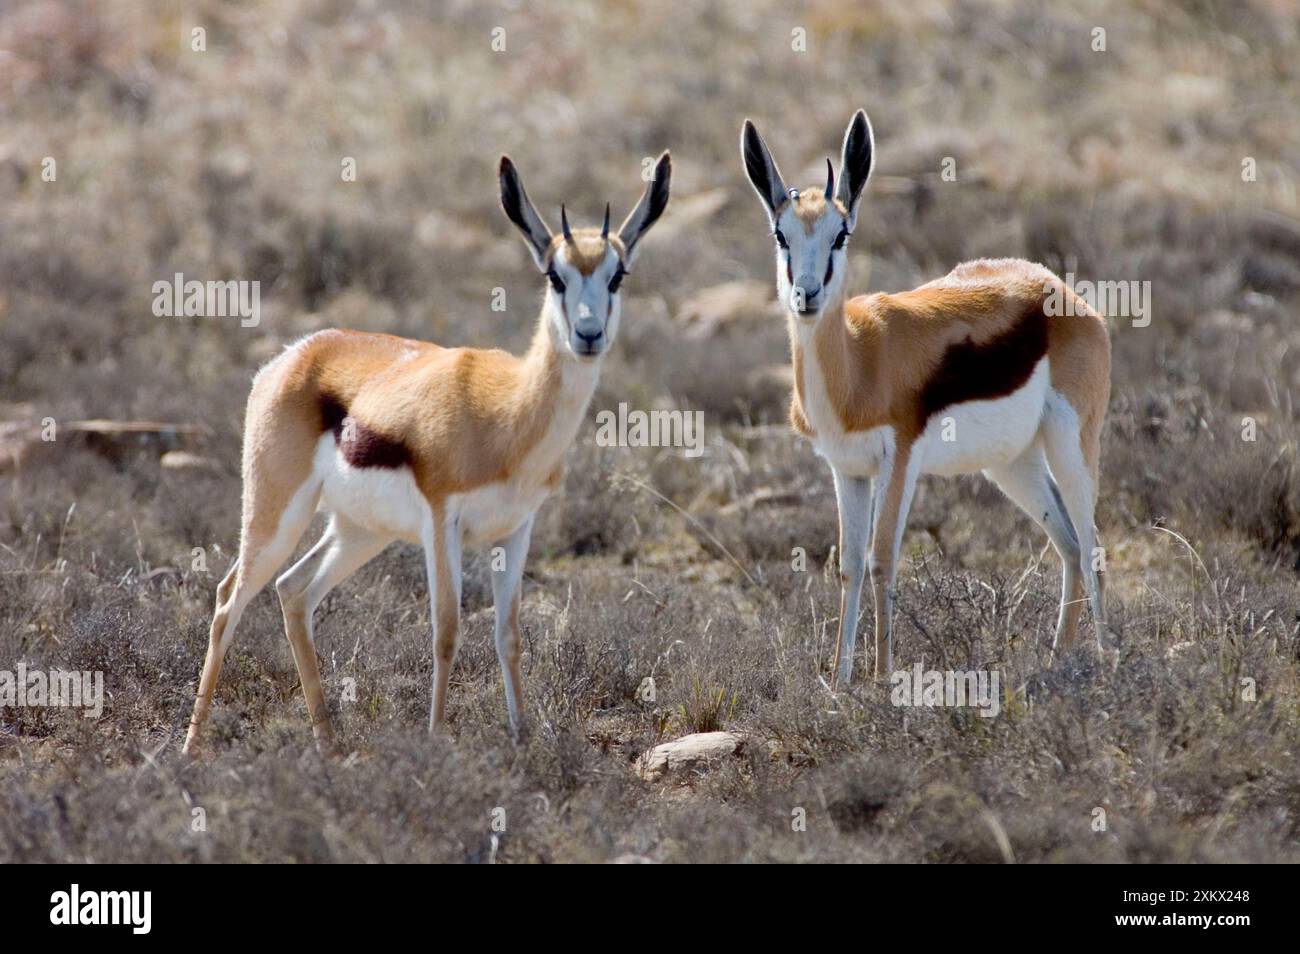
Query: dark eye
[[617, 279], [840, 239], [780, 239], [556, 282]]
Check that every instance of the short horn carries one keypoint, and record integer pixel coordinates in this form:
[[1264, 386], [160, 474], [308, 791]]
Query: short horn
[[604, 229], [830, 179], [564, 225]]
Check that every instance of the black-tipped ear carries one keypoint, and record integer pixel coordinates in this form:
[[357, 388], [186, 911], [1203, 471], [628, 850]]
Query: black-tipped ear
[[761, 169], [519, 210], [653, 202], [856, 163]]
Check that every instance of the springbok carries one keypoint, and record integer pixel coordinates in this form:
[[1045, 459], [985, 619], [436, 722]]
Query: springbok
[[404, 440], [966, 373]]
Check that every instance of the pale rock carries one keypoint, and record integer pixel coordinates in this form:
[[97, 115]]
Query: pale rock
[[687, 752]]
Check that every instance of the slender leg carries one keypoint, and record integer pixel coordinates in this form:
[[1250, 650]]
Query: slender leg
[[506, 586], [442, 562], [227, 584], [257, 563], [1029, 485], [1078, 492], [891, 506], [1090, 445], [341, 551], [224, 619], [854, 495]]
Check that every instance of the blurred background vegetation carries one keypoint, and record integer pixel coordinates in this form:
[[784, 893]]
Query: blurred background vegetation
[[1119, 164]]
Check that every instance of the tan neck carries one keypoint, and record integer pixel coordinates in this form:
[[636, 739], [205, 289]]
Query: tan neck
[[554, 389], [846, 366]]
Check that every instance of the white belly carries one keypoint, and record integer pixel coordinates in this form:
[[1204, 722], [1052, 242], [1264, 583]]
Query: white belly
[[969, 437], [962, 439], [387, 501], [382, 500]]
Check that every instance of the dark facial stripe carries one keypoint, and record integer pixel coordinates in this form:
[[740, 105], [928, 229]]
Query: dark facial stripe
[[360, 445], [971, 372]]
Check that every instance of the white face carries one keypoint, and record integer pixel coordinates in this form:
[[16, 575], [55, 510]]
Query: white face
[[810, 262], [810, 251], [584, 309]]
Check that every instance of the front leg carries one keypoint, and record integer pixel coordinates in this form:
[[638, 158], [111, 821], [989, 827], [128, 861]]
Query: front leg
[[854, 495], [442, 562], [507, 576], [899, 476]]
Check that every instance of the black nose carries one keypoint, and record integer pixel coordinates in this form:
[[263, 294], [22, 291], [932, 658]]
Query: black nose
[[589, 339]]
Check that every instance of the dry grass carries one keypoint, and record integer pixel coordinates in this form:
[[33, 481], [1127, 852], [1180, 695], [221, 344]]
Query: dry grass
[[225, 164]]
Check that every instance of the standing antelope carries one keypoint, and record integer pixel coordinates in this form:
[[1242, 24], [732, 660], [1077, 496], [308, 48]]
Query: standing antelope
[[966, 373], [404, 440]]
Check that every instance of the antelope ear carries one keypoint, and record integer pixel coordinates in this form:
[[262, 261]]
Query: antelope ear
[[856, 163], [653, 202], [761, 168], [519, 209]]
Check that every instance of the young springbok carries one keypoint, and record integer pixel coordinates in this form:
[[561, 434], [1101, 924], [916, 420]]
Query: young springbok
[[966, 373], [404, 440]]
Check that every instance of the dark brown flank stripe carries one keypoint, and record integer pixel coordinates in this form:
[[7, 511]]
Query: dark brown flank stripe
[[332, 413], [983, 372], [366, 447]]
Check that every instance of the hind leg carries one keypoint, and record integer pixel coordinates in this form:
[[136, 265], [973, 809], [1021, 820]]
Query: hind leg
[[342, 550], [227, 584], [1075, 473], [1028, 483], [212, 665], [257, 563]]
